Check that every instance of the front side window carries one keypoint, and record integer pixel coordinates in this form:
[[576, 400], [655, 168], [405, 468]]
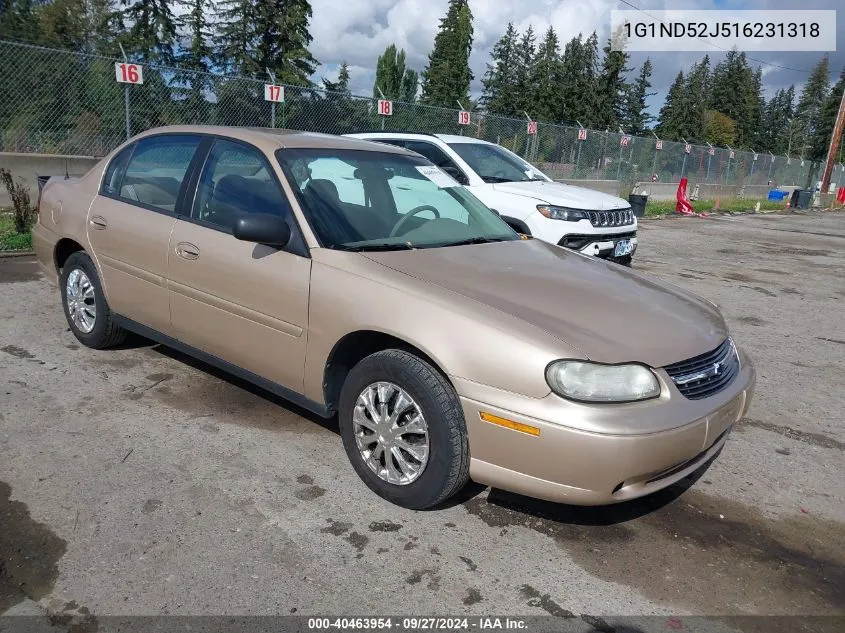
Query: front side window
[[155, 172], [366, 200], [236, 180], [438, 157], [493, 163]]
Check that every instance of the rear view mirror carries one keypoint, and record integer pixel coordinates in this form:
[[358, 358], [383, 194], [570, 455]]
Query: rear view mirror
[[262, 228]]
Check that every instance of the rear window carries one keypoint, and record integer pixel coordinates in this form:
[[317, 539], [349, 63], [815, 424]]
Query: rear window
[[156, 169]]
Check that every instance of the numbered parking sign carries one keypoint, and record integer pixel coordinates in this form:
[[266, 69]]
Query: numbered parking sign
[[730, 154], [712, 151], [582, 134], [274, 93], [624, 141], [385, 107], [463, 117], [126, 73], [687, 148], [532, 127], [658, 145]]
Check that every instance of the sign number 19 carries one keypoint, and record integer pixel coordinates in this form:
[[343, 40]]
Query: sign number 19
[[126, 73]]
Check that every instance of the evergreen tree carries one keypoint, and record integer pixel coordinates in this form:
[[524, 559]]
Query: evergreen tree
[[341, 86], [735, 94], [281, 28], [610, 99], [410, 85], [523, 86], [63, 24], [670, 119], [696, 101], [637, 119], [448, 76], [390, 71], [545, 77], [195, 56], [19, 20], [151, 31], [235, 36], [776, 122], [827, 119], [808, 112], [498, 94]]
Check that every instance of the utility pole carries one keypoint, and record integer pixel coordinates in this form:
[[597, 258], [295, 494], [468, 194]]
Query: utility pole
[[835, 140]]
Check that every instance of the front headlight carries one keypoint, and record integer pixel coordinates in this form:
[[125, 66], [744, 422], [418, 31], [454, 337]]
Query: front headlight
[[562, 213], [591, 382]]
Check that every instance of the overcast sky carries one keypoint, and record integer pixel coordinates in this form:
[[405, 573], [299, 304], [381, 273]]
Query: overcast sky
[[359, 30]]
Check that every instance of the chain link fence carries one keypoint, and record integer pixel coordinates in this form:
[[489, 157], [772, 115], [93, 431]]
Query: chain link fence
[[63, 102]]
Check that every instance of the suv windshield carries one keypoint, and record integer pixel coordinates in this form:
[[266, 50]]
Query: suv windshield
[[493, 163], [365, 200]]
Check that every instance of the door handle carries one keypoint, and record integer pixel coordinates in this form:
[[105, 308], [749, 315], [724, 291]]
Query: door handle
[[98, 222], [186, 250]]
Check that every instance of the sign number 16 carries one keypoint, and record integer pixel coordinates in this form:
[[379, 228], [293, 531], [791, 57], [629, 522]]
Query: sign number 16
[[126, 73]]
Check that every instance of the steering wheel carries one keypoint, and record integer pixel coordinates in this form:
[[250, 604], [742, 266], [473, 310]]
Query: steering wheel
[[412, 213]]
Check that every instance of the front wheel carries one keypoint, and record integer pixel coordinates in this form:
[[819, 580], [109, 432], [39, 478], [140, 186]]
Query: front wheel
[[403, 429]]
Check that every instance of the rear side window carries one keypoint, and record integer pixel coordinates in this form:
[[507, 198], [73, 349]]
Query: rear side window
[[115, 171], [236, 180], [156, 169]]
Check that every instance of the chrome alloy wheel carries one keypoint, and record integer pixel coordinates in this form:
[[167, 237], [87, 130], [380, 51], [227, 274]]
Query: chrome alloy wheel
[[391, 433], [80, 301]]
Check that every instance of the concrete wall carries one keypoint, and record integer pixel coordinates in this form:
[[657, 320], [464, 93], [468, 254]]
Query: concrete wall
[[28, 166], [668, 191]]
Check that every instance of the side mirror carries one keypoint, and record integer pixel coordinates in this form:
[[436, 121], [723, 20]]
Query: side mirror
[[262, 228]]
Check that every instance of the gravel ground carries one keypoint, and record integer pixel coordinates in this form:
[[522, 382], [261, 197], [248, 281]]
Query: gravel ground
[[138, 481]]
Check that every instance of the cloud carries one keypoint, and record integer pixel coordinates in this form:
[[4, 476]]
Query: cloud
[[358, 31]]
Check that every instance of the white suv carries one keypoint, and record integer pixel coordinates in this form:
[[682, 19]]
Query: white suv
[[585, 220]]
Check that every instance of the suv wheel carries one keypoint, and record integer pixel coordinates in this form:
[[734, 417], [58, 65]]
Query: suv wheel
[[403, 429], [86, 310]]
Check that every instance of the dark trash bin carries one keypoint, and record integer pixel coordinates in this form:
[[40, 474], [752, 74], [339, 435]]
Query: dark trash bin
[[801, 199], [638, 203]]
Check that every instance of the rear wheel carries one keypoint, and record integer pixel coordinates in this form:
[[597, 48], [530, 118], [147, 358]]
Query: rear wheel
[[86, 309], [403, 429]]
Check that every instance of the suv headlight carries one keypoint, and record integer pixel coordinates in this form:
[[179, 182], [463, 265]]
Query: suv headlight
[[562, 213], [591, 382]]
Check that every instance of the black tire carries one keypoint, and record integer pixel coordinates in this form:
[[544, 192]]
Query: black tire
[[106, 333], [447, 469]]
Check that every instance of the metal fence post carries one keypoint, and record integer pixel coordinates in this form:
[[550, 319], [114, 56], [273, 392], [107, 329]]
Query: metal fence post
[[126, 110]]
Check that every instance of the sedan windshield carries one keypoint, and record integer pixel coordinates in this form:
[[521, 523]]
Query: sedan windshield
[[493, 163], [365, 200]]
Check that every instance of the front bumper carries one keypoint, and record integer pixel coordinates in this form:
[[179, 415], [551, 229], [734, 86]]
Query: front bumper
[[598, 245], [585, 467]]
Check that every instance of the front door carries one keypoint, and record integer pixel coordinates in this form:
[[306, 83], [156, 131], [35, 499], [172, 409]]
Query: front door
[[242, 302], [129, 225]]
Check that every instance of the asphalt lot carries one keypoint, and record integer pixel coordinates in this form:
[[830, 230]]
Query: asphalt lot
[[137, 481]]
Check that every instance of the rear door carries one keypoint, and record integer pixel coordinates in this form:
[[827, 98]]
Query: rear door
[[242, 302], [130, 221]]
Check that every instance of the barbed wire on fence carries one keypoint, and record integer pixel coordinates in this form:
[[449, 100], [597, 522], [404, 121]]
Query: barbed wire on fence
[[64, 102]]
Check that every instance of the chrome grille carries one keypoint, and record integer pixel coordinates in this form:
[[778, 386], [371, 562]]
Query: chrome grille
[[619, 217], [706, 374]]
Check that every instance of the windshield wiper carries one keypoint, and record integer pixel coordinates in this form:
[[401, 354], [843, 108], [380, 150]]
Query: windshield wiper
[[495, 179], [475, 240], [383, 246]]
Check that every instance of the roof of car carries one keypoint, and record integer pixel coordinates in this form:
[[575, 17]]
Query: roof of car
[[446, 138], [270, 139]]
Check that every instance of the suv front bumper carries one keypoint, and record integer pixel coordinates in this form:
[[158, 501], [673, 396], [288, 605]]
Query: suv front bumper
[[598, 245]]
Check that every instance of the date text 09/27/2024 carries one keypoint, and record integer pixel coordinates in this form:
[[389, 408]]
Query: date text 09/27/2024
[[417, 623]]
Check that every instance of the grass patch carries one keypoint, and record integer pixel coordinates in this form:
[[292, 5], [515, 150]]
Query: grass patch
[[9, 239], [733, 205]]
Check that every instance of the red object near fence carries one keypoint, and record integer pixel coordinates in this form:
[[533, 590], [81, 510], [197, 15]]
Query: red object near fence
[[683, 205], [840, 195]]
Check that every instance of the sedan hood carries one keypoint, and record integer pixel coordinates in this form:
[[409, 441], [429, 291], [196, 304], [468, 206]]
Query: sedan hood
[[557, 193], [611, 314]]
